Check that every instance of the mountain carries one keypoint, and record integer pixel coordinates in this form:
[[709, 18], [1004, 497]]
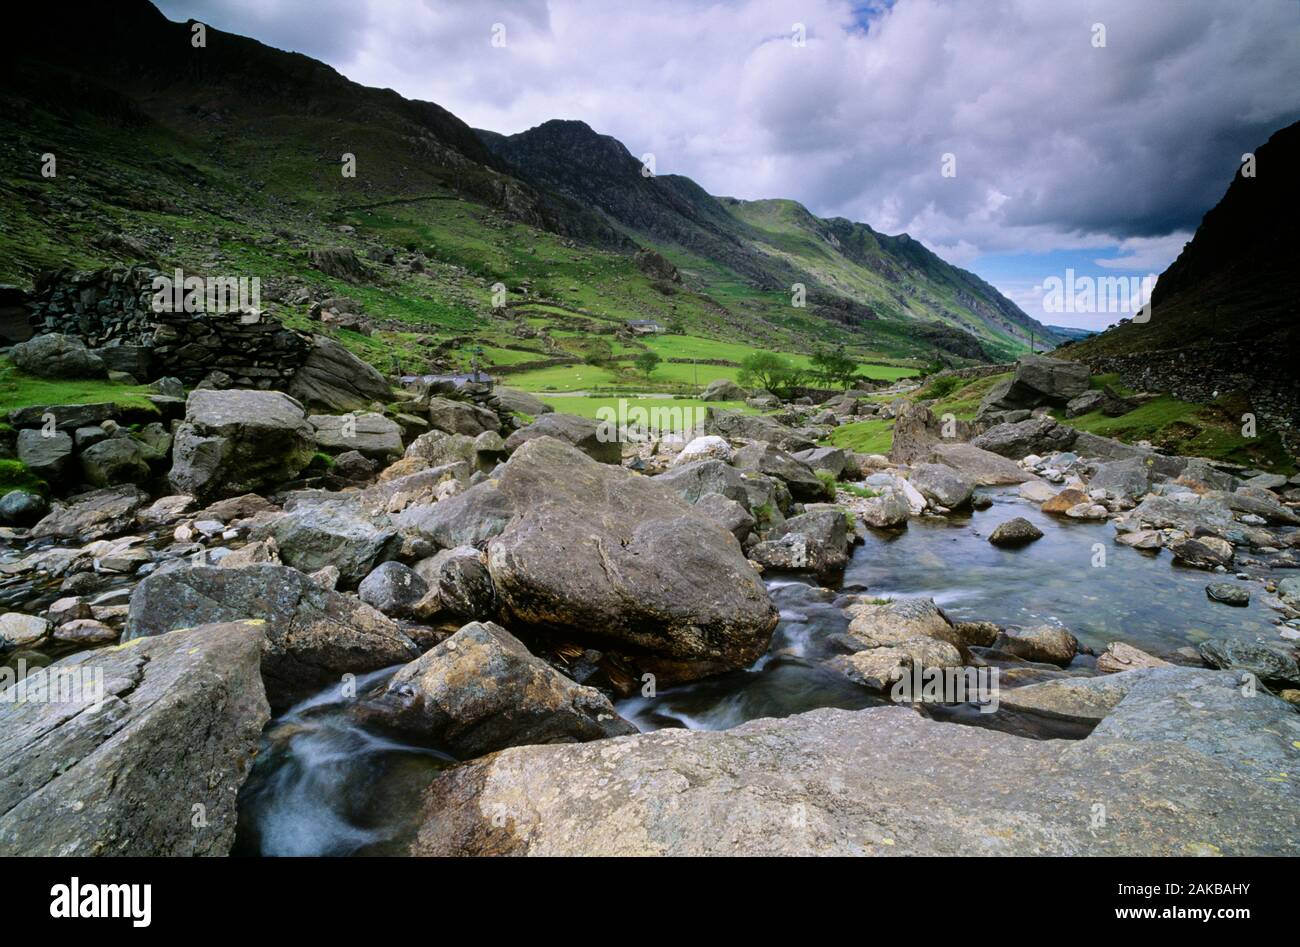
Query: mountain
[[230, 157], [1236, 283], [1072, 333], [769, 243]]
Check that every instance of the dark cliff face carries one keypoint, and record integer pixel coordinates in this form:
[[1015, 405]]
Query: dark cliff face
[[1237, 281], [1253, 233]]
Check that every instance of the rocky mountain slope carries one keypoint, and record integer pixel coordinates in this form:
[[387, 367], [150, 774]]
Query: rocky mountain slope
[[1223, 315], [1237, 281], [771, 243]]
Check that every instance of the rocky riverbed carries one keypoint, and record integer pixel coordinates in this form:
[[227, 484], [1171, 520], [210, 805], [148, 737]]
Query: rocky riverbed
[[479, 627]]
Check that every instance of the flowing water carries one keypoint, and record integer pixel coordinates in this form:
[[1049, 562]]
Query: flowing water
[[324, 785]]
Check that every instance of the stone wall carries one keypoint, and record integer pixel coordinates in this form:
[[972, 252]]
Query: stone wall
[[1269, 379], [974, 372], [111, 311]]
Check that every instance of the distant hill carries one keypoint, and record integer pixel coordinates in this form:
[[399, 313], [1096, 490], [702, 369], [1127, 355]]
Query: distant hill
[[771, 243], [1069, 332]]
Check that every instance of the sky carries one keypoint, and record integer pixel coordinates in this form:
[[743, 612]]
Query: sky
[[1022, 139]]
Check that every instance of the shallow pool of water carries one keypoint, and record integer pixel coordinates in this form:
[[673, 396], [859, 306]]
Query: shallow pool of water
[[1076, 576]]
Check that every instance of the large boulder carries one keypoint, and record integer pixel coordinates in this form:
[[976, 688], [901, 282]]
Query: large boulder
[[57, 356], [832, 460], [174, 737], [693, 480], [597, 441], [1126, 478], [1049, 644], [592, 552], [481, 691], [768, 459], [393, 588], [45, 455], [334, 532], [1271, 660], [312, 635], [520, 402], [815, 542], [981, 467], [753, 427], [1038, 380], [333, 379], [460, 582], [95, 515], [1177, 763], [115, 461], [941, 485], [1039, 435], [461, 417], [371, 434], [239, 441], [723, 389]]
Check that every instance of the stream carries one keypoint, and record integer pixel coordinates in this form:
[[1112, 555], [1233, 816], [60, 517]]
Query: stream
[[322, 785]]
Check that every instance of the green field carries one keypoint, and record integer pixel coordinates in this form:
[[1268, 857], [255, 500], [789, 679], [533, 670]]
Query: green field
[[589, 407], [19, 390]]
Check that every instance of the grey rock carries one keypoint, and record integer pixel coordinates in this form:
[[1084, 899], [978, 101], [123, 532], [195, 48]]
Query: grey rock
[[520, 402], [21, 508], [1015, 532], [178, 727], [481, 691], [1128, 478], [1177, 762], [1039, 435], [752, 427], [312, 635], [333, 379], [770, 460], [1270, 660], [99, 514], [595, 440], [830, 459], [723, 389], [816, 542], [370, 434], [45, 455], [941, 485], [593, 552], [1229, 593], [18, 630], [57, 356], [731, 515], [239, 441], [1205, 552], [699, 478], [460, 581], [338, 533], [461, 417], [393, 588], [115, 461], [1047, 644]]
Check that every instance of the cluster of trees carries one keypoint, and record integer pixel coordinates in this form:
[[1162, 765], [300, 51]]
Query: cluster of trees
[[831, 368]]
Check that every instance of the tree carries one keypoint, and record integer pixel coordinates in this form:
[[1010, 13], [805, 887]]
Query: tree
[[770, 371], [647, 362], [835, 367]]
